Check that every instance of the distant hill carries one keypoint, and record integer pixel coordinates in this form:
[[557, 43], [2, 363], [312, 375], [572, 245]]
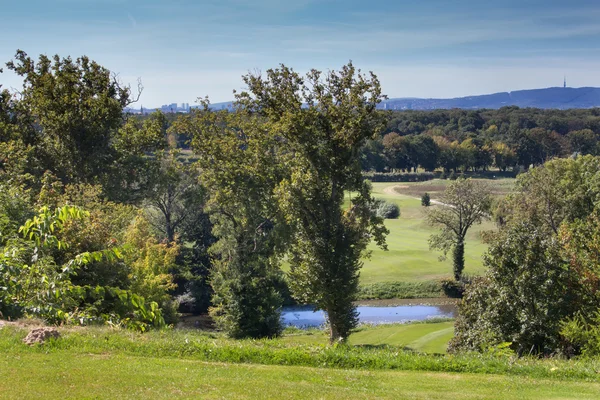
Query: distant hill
[[555, 97]]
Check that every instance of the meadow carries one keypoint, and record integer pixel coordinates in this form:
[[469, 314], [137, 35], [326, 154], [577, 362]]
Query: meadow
[[408, 258], [111, 363]]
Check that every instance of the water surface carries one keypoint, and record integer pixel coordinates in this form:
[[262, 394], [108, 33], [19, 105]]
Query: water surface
[[303, 317]]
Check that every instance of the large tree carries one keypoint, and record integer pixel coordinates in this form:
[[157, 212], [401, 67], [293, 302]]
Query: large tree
[[465, 202], [239, 167], [323, 119], [69, 116]]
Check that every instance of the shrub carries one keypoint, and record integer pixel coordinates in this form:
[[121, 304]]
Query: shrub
[[385, 210], [426, 200], [582, 337], [453, 288], [400, 290], [452, 176], [399, 176]]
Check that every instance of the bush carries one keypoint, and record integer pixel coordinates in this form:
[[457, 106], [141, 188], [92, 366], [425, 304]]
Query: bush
[[582, 337], [400, 290], [385, 210], [426, 200], [453, 288], [452, 176], [399, 176]]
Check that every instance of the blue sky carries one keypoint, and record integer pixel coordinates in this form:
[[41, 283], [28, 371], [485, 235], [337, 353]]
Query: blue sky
[[183, 50]]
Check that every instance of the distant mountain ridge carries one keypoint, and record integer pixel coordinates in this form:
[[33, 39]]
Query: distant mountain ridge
[[554, 97]]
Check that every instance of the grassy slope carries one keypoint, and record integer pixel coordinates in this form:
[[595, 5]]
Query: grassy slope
[[409, 258], [68, 375], [428, 338]]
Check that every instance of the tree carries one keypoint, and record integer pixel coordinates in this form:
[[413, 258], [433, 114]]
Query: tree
[[583, 142], [323, 120], [70, 115], [395, 151], [176, 196], [423, 152], [542, 263], [465, 202], [503, 156], [239, 165]]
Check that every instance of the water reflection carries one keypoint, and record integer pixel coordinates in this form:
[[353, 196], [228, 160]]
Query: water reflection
[[303, 317]]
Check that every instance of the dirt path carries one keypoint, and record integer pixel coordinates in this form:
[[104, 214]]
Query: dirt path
[[391, 190]]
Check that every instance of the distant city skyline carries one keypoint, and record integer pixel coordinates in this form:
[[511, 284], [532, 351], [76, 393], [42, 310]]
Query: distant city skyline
[[184, 50]]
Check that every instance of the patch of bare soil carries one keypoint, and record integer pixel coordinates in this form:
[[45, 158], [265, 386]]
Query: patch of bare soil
[[394, 189]]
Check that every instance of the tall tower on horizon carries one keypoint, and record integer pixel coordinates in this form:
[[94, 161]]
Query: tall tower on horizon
[[565, 82]]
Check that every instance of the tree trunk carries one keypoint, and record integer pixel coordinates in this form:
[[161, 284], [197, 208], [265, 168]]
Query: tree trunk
[[341, 315], [458, 258]]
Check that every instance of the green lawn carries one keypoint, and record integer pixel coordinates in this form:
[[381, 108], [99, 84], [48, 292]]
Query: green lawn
[[109, 376], [408, 257], [423, 337], [100, 362]]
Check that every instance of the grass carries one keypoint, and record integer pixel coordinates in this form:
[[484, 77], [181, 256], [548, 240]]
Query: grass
[[291, 350], [409, 269], [77, 376], [426, 338], [108, 363], [408, 258], [421, 337]]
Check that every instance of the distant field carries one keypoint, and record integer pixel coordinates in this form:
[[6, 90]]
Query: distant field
[[409, 258]]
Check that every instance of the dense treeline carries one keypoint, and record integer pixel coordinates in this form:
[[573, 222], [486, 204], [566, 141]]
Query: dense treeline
[[477, 140], [452, 140]]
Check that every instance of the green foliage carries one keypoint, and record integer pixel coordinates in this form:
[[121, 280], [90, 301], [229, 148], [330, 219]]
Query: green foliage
[[324, 120], [35, 284], [465, 202], [150, 264], [240, 167], [582, 334], [400, 290], [69, 119], [425, 200], [542, 263], [454, 288]]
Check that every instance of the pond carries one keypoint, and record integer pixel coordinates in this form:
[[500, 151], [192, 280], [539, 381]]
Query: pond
[[305, 317]]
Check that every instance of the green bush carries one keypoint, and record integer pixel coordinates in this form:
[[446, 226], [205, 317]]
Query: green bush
[[400, 290], [453, 288], [384, 209], [426, 200], [582, 336]]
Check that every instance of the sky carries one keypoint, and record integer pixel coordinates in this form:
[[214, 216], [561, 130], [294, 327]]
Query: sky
[[184, 49]]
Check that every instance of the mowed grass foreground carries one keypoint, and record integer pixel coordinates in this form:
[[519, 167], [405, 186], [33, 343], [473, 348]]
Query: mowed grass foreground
[[85, 376], [408, 258], [109, 363]]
